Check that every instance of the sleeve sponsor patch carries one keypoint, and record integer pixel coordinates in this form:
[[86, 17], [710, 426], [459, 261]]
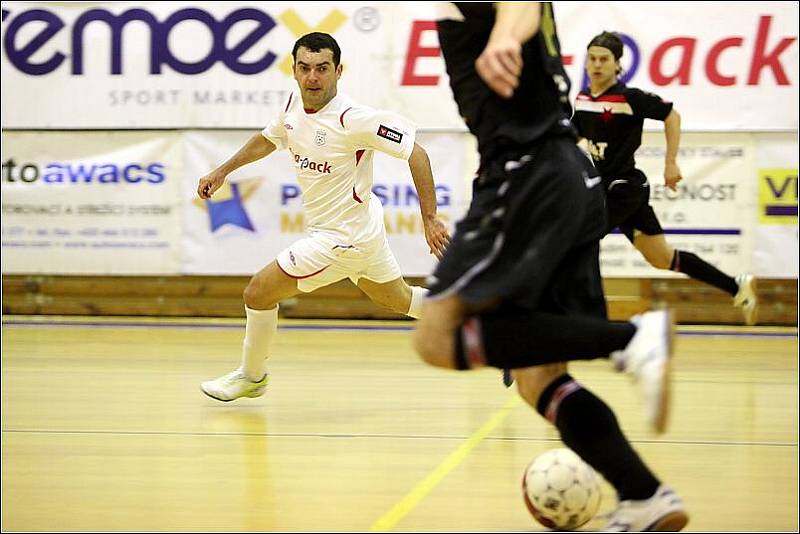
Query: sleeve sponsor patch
[[388, 133]]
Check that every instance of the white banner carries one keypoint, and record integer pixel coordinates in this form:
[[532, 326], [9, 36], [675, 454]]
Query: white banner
[[91, 203], [776, 236], [712, 214], [214, 64], [259, 212]]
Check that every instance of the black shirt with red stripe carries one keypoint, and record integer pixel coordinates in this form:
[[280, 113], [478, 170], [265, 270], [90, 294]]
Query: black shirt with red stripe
[[612, 123], [540, 105]]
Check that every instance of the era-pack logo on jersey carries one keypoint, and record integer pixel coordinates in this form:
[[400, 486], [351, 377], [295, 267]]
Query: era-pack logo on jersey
[[304, 163], [388, 133]]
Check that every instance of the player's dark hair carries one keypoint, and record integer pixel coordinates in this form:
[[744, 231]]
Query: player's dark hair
[[608, 40], [317, 41]]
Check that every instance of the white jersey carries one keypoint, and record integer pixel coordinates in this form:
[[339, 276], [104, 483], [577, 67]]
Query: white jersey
[[332, 150]]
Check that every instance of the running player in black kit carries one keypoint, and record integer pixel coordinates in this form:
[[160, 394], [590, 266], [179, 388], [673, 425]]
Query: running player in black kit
[[519, 284], [610, 116]]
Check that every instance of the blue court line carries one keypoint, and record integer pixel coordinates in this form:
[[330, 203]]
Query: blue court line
[[218, 326], [334, 328]]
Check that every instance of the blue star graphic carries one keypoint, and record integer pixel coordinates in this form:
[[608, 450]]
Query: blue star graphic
[[229, 211]]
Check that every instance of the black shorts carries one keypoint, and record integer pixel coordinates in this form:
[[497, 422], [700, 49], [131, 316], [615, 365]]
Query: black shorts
[[531, 235], [628, 201]]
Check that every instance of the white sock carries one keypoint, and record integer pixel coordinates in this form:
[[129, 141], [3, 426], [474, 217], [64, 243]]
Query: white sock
[[261, 326], [417, 296]]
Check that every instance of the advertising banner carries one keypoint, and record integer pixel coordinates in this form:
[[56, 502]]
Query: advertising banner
[[126, 203], [91, 203], [712, 214], [228, 64]]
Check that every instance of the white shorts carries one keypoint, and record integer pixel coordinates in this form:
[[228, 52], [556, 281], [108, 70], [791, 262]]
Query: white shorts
[[318, 261]]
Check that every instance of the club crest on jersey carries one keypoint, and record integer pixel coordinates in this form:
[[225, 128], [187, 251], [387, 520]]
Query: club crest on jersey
[[388, 133], [319, 138]]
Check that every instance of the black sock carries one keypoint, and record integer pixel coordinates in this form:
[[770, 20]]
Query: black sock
[[589, 427], [691, 265], [511, 341]]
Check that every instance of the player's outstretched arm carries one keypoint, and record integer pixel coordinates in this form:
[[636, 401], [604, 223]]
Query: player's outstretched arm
[[672, 131], [436, 233], [257, 147]]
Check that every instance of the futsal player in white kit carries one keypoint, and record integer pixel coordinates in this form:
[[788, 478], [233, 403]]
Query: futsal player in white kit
[[332, 140]]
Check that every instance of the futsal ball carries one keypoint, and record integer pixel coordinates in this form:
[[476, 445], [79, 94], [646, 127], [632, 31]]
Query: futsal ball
[[561, 491]]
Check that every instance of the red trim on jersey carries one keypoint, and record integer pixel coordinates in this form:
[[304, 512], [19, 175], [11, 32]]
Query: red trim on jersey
[[289, 103], [310, 111], [359, 153], [299, 277], [602, 98], [341, 119], [355, 196], [611, 98]]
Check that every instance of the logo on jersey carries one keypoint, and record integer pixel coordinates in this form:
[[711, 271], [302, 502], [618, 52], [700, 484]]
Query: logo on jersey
[[305, 163], [319, 138], [288, 126], [388, 133]]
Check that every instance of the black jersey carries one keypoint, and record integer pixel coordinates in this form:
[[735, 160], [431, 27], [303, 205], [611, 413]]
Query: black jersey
[[612, 123], [540, 104]]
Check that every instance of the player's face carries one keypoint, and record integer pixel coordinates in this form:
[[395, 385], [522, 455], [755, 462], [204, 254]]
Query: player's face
[[316, 76], [601, 65]]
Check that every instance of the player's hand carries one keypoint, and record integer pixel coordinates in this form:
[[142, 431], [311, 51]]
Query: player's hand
[[436, 235], [500, 65], [209, 184], [672, 175]]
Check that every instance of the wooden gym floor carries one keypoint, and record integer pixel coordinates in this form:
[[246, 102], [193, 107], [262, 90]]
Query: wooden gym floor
[[104, 428]]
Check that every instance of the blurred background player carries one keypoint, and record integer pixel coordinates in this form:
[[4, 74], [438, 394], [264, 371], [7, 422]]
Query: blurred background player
[[519, 285], [332, 140], [610, 116]]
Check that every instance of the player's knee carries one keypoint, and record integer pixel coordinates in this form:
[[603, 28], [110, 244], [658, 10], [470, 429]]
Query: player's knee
[[433, 349], [256, 296]]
